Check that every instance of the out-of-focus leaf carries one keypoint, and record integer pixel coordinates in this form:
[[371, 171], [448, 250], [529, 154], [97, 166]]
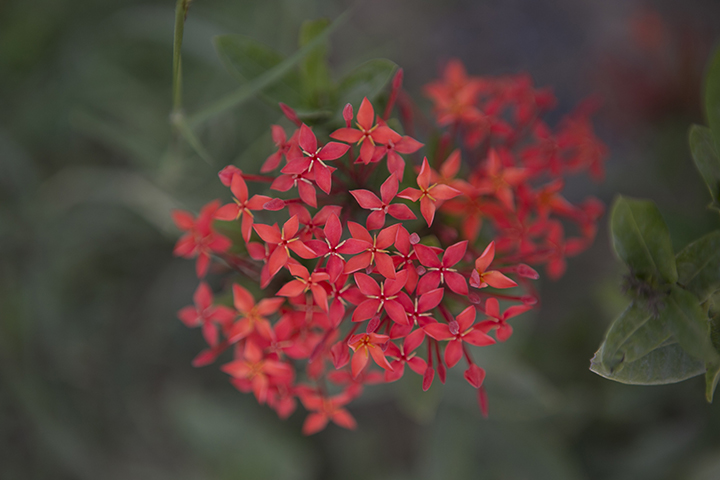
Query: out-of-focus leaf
[[698, 266], [634, 334], [689, 324], [707, 160], [247, 59], [712, 97], [316, 81], [367, 80], [667, 364], [712, 375], [641, 239]]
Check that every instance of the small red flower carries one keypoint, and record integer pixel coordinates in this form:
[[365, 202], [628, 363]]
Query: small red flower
[[313, 158], [367, 133], [283, 148], [368, 345], [305, 281], [440, 272], [371, 249], [201, 239], [333, 247], [405, 354], [395, 163], [498, 321], [206, 315], [458, 331], [253, 317], [370, 201], [242, 206], [428, 194], [286, 239], [325, 409], [481, 278], [380, 297], [257, 371]]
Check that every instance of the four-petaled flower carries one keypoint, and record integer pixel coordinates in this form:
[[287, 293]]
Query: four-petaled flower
[[206, 315], [367, 133], [253, 316], [313, 158], [440, 272], [428, 194], [325, 409], [371, 249], [370, 201], [405, 354], [256, 371], [286, 239], [201, 239], [305, 281], [242, 206], [368, 345], [380, 297], [458, 331]]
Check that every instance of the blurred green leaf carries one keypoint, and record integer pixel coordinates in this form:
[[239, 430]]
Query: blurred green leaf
[[635, 334], [707, 160], [666, 364], [698, 266], [316, 81], [367, 80], [712, 96], [247, 59], [641, 239], [712, 375], [689, 324], [261, 82]]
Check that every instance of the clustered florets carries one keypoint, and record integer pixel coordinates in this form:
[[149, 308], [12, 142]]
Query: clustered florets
[[384, 289]]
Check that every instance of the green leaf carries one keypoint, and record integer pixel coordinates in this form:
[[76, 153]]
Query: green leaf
[[698, 266], [268, 78], [367, 80], [689, 324], [633, 335], [247, 59], [666, 364], [641, 239], [712, 97], [707, 160], [316, 82], [712, 375]]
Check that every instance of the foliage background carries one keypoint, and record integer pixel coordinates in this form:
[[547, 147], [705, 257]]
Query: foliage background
[[95, 375]]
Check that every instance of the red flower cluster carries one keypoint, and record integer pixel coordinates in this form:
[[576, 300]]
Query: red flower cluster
[[342, 297]]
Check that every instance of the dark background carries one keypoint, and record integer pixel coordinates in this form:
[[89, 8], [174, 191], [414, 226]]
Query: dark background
[[95, 375]]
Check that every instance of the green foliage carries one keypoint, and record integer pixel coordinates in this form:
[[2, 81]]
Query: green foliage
[[706, 160], [641, 239], [712, 97], [367, 80], [698, 266], [670, 330], [247, 59]]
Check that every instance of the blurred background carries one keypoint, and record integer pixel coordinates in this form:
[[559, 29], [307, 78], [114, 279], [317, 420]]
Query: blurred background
[[95, 374]]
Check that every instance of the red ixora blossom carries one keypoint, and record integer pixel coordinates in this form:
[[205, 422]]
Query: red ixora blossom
[[201, 240], [429, 195], [368, 133], [334, 294]]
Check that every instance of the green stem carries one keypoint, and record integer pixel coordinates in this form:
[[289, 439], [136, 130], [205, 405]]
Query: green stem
[[181, 8]]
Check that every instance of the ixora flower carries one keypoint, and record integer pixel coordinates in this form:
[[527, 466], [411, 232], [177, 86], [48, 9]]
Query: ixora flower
[[353, 285]]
